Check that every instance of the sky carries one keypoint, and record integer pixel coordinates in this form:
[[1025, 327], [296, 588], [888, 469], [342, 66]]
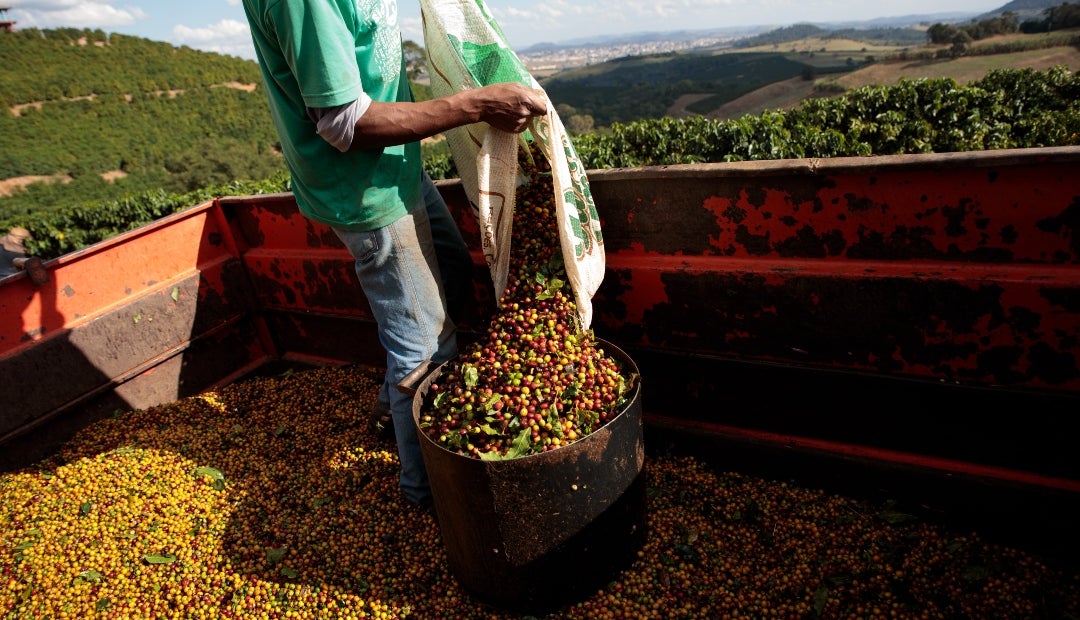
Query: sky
[[220, 26]]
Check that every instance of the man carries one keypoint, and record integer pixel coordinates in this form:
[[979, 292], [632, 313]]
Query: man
[[341, 103]]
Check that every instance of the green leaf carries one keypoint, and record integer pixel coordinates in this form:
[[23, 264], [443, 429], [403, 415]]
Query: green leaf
[[361, 585], [290, 573], [522, 444], [570, 392], [472, 375], [175, 293], [102, 605], [821, 596], [87, 576], [489, 403], [86, 507], [215, 475], [440, 400], [551, 285], [159, 558], [273, 556], [890, 516]]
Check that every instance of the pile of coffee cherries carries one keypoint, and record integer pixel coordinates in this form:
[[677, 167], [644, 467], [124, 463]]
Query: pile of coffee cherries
[[537, 380]]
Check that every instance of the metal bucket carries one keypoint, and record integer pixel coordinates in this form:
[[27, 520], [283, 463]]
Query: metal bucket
[[535, 533]]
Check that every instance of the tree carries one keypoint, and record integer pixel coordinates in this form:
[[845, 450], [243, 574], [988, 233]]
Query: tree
[[1063, 16], [415, 60], [580, 124], [940, 34], [960, 42], [217, 162]]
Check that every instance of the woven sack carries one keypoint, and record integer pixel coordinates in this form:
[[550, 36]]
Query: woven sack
[[467, 49]]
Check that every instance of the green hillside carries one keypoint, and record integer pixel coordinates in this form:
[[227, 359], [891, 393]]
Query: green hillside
[[637, 87], [64, 63], [106, 116]]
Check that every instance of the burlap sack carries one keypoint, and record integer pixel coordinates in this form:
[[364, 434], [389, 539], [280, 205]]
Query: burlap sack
[[466, 49]]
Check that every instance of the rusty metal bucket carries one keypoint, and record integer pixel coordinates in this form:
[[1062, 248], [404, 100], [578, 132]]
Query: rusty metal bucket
[[535, 533]]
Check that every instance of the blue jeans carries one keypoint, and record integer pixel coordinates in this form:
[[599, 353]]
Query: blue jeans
[[408, 271]]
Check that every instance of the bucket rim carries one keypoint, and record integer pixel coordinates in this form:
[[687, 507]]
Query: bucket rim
[[420, 399]]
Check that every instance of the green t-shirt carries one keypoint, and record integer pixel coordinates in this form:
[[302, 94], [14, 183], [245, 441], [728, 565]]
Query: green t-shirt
[[324, 53]]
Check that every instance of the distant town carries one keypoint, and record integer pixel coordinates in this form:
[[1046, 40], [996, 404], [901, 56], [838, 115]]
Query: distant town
[[543, 62]]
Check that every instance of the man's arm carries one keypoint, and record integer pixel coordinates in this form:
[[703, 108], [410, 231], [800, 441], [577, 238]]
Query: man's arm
[[507, 106]]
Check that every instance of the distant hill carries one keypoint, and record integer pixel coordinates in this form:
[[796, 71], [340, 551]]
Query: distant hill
[[739, 32], [790, 93], [799, 32], [1024, 8]]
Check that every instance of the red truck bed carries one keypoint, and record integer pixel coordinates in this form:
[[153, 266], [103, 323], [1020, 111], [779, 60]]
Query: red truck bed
[[914, 315]]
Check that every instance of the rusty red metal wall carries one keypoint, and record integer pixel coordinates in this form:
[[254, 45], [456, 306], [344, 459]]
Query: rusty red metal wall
[[920, 311], [158, 313], [956, 268], [304, 284]]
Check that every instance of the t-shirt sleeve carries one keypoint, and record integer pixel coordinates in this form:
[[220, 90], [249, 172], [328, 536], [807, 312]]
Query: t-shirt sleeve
[[315, 39], [337, 125]]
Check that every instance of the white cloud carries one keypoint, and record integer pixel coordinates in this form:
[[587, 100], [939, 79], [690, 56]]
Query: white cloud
[[228, 36], [63, 13], [412, 29], [224, 29], [512, 12], [551, 11]]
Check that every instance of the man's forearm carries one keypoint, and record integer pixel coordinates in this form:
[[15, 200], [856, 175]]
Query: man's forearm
[[508, 107], [388, 124]]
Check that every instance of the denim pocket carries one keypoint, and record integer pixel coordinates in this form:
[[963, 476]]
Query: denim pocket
[[362, 245]]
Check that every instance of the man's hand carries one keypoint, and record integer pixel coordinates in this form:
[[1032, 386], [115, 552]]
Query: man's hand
[[510, 106]]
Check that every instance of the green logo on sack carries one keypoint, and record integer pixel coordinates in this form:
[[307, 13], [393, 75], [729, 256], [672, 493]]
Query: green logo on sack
[[586, 220], [490, 63]]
